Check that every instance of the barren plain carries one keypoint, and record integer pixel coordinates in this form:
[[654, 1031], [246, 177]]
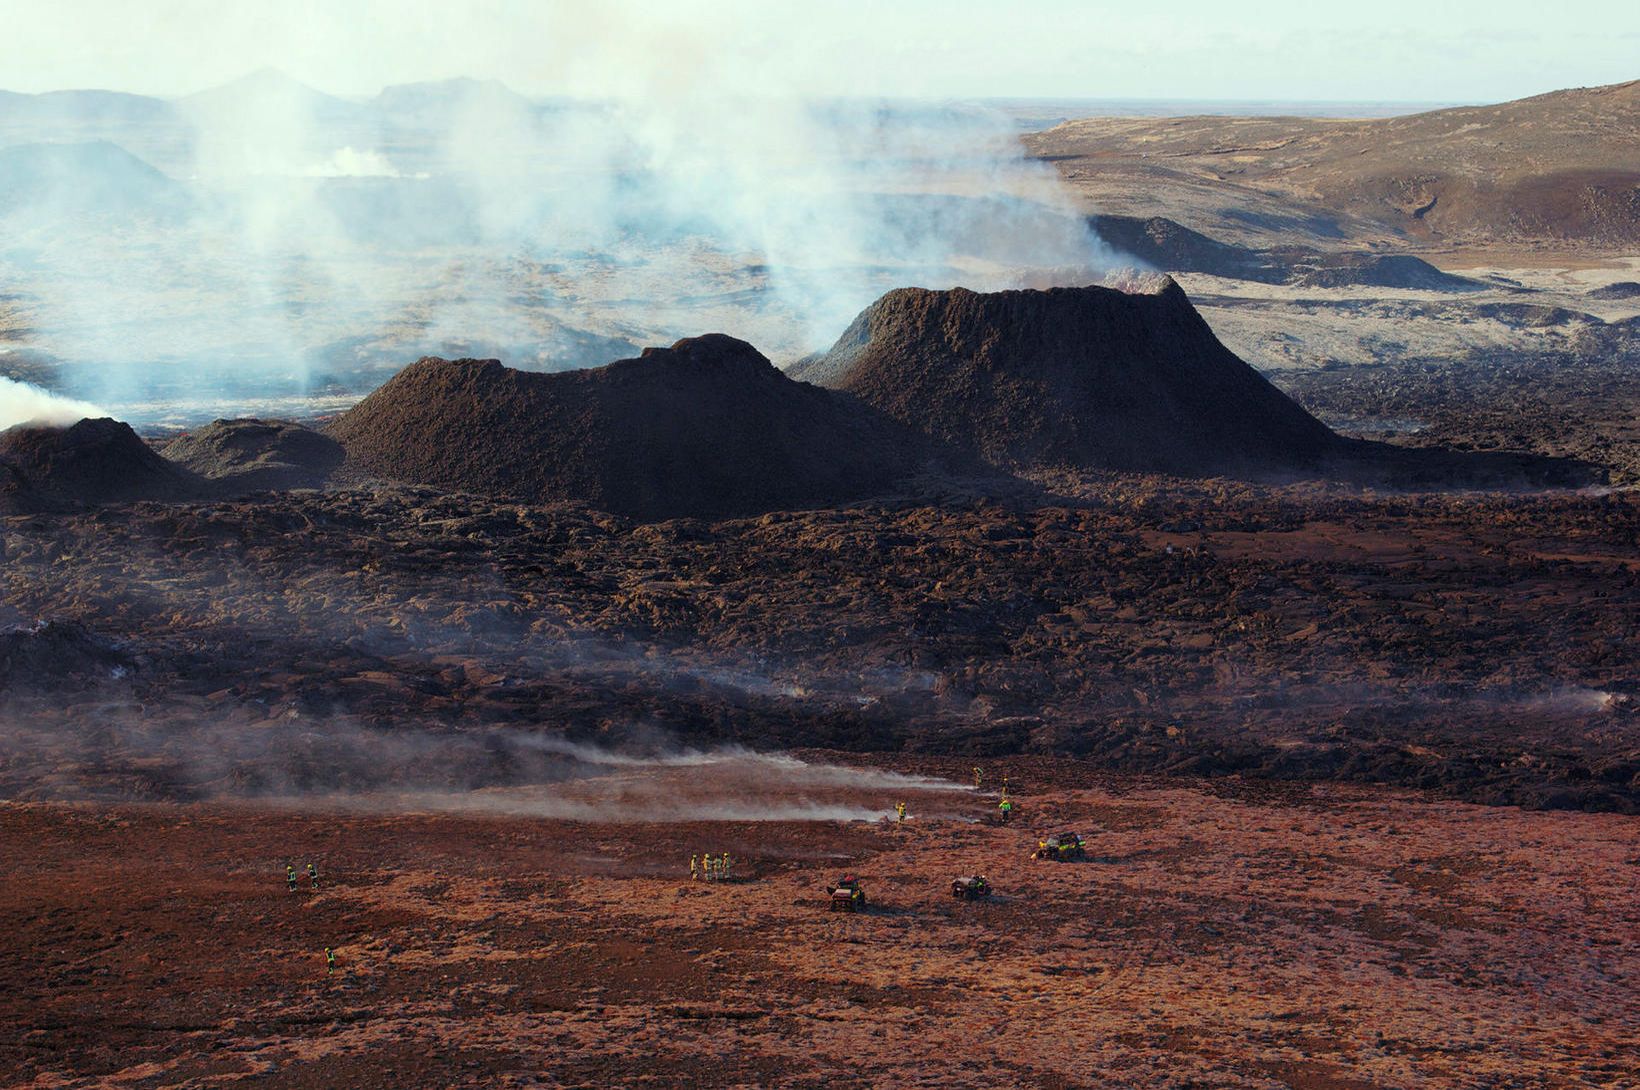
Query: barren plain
[[1225, 934]]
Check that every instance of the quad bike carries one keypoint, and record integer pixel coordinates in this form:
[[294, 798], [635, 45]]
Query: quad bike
[[1061, 847], [970, 889], [846, 895]]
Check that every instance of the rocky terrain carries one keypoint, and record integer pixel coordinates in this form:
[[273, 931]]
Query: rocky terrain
[[1163, 244], [1303, 581], [1225, 935], [1481, 645], [1557, 170]]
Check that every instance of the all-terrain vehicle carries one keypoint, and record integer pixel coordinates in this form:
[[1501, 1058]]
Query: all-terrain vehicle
[[970, 889], [1061, 847], [846, 895]]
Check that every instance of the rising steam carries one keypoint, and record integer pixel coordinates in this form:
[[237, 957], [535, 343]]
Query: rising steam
[[266, 240], [21, 403]]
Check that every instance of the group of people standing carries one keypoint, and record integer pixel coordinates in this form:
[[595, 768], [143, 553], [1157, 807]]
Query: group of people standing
[[710, 868], [290, 876]]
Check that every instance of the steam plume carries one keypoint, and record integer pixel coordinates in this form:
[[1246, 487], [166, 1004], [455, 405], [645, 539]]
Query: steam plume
[[277, 241], [22, 403]]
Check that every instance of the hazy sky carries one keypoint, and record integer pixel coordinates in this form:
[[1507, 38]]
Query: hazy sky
[[1418, 50]]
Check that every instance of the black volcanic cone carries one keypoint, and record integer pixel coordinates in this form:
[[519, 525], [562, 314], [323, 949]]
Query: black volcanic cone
[[1082, 377], [257, 455], [706, 428], [92, 462]]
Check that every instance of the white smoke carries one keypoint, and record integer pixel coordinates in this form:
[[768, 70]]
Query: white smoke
[[292, 240], [21, 403]]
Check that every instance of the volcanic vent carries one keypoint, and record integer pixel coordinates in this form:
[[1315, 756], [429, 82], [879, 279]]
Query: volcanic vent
[[1085, 377], [92, 462], [706, 428]]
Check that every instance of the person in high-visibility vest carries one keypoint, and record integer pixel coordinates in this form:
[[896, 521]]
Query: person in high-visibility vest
[[899, 812], [978, 775], [694, 868], [290, 877], [723, 861], [330, 961], [313, 875]]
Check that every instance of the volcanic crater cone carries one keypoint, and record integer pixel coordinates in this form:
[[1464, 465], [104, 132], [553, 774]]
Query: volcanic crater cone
[[1081, 377], [707, 428], [249, 455], [91, 462]]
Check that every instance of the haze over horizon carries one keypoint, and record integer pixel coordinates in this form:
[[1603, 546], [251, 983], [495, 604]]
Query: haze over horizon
[[1396, 52]]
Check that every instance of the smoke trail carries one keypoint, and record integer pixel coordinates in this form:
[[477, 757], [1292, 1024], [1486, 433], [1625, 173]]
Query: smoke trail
[[21, 403], [122, 751]]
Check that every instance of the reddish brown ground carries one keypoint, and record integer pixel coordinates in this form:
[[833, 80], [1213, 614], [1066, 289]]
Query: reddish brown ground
[[1222, 935]]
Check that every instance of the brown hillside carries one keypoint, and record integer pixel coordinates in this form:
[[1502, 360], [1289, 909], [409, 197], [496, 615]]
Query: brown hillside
[[1553, 169]]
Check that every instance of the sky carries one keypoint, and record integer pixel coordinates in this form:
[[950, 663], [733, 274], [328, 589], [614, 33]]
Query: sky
[[1389, 50]]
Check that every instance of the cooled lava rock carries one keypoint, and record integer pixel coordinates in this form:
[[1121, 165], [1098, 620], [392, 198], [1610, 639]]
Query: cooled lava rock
[[91, 462], [1315, 270], [1623, 289], [1078, 377], [257, 455], [47, 655], [707, 428]]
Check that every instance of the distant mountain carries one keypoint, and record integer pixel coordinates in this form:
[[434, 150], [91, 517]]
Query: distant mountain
[[85, 107], [441, 100], [87, 177], [271, 91], [1560, 167]]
